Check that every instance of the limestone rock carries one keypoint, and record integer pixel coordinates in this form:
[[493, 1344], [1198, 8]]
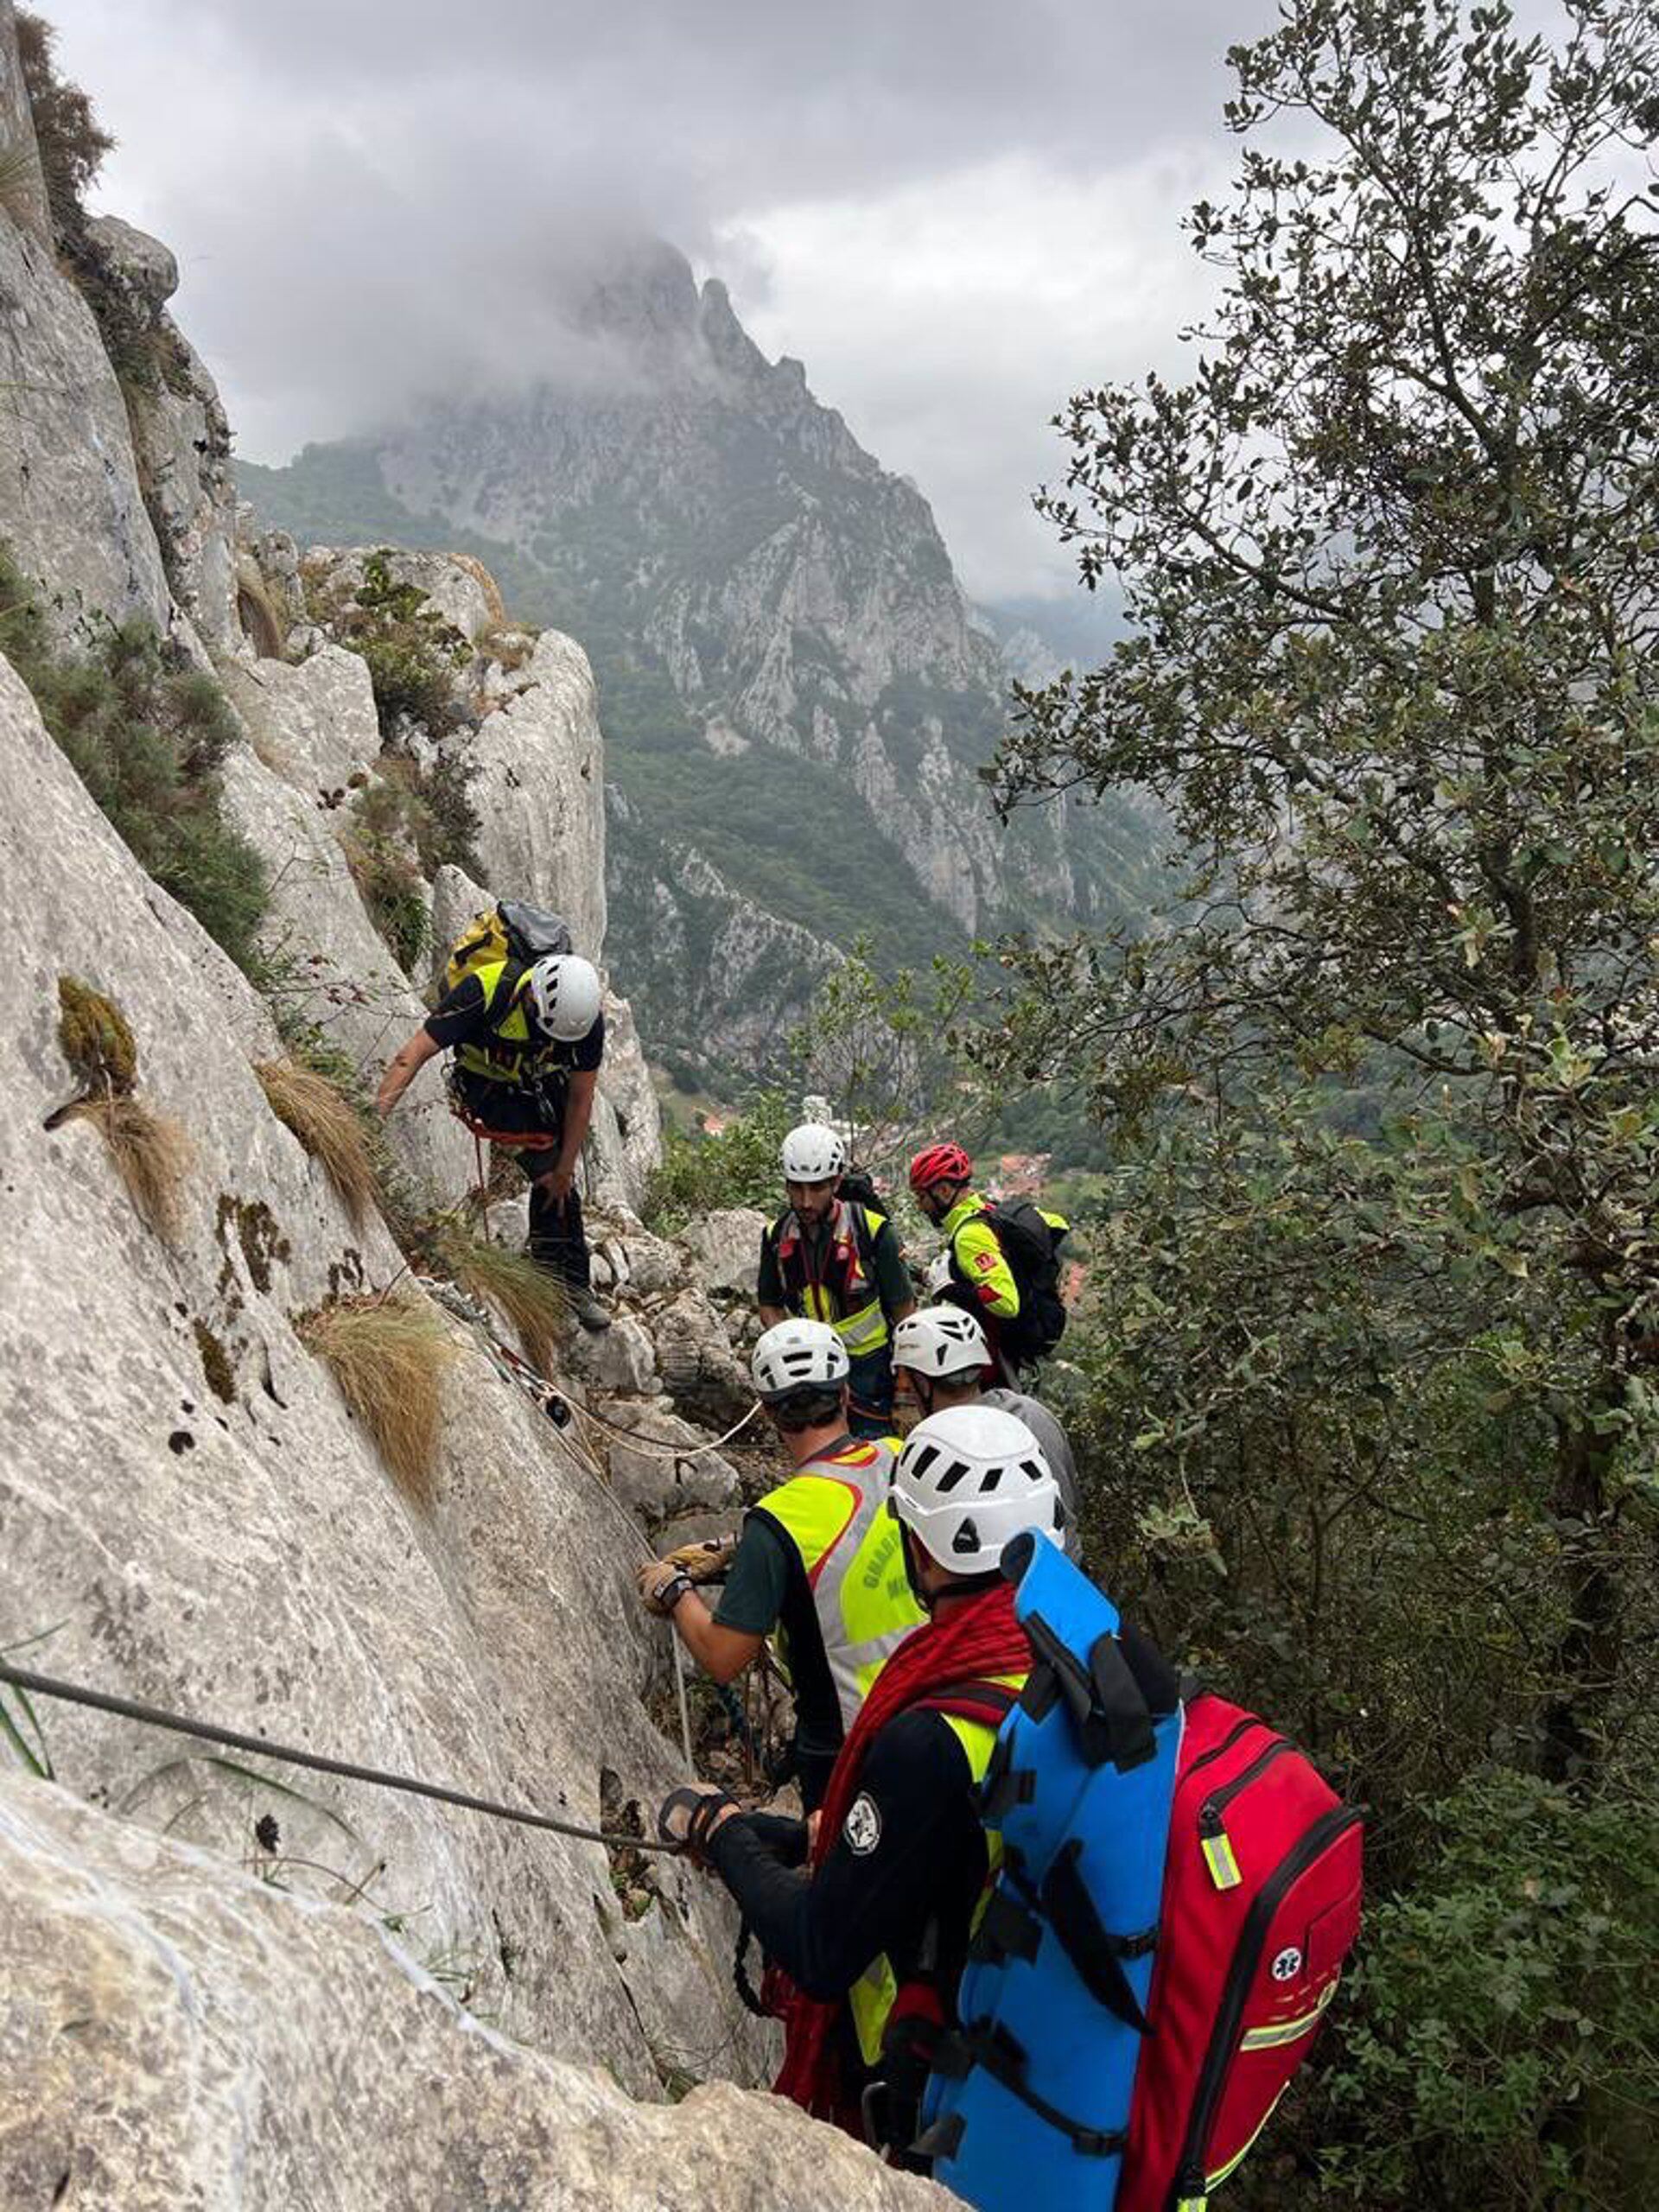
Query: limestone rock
[[696, 1361], [455, 900], [650, 1264], [622, 1358], [725, 1250], [70, 504], [191, 1510], [625, 1086], [145, 267], [312, 722], [651, 1480], [182, 440], [178, 2033], [26, 195], [457, 587], [339, 974], [271, 592], [538, 785]]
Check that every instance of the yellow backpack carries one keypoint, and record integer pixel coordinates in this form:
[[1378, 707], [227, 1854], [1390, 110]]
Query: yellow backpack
[[508, 930]]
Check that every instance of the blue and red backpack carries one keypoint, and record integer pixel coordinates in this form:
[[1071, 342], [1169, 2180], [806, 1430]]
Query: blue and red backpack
[[1178, 1891]]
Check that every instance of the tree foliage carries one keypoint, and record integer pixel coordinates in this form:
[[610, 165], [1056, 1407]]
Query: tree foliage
[[1372, 1402]]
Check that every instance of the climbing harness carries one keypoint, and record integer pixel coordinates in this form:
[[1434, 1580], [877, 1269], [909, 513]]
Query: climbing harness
[[125, 1708]]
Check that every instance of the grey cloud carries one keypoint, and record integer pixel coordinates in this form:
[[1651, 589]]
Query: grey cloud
[[372, 201]]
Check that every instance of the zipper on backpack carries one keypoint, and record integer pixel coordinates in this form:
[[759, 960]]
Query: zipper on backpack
[[1213, 1838], [1239, 1728], [1191, 2185]]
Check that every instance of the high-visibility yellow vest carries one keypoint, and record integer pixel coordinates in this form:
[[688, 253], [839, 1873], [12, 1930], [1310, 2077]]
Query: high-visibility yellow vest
[[835, 1513], [514, 1052], [845, 1294], [872, 1996]]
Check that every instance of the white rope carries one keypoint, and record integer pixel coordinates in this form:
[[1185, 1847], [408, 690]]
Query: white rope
[[662, 1447]]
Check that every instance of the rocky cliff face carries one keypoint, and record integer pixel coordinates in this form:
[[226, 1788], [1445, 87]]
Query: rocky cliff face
[[796, 694], [225, 1979]]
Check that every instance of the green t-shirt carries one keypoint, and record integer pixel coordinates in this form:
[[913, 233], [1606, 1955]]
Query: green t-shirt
[[756, 1582]]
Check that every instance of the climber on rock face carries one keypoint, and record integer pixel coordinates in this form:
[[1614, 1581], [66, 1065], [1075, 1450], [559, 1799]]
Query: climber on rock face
[[819, 1562], [869, 1915], [527, 1048], [940, 1358], [830, 1256]]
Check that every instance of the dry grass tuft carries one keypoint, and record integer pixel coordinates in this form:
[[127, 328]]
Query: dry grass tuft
[[388, 1357], [152, 1154], [529, 1299], [321, 1114]]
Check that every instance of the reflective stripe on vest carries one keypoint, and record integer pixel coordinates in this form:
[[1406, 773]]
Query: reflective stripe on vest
[[511, 1054], [872, 1996], [862, 1327], [835, 1513]]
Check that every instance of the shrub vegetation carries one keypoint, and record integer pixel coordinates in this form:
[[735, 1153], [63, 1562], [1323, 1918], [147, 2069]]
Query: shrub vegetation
[[1370, 1416], [147, 734], [151, 1153]]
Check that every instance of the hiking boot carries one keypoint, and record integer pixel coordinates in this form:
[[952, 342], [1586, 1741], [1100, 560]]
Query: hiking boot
[[587, 1308]]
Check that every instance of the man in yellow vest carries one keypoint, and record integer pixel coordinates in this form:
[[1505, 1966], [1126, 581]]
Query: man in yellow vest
[[527, 1045], [819, 1563], [871, 1921], [831, 1256]]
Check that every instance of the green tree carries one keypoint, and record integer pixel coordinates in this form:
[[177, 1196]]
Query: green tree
[[1371, 1402], [1388, 554]]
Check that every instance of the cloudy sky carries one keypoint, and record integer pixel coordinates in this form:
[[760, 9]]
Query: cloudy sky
[[954, 210]]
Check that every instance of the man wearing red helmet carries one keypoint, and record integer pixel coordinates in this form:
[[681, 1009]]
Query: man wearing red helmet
[[1022, 1324]]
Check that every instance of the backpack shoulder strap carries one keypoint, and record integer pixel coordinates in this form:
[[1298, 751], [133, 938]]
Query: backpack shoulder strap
[[989, 1703]]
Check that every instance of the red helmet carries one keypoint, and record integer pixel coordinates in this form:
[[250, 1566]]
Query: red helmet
[[940, 1163]]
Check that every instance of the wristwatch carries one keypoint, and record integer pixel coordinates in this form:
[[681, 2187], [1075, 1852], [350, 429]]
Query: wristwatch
[[668, 1594]]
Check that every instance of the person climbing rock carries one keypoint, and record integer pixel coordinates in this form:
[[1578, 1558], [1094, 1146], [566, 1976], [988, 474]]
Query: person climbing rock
[[1002, 1258], [836, 1258], [941, 1358], [870, 1919], [527, 1046], [819, 1562]]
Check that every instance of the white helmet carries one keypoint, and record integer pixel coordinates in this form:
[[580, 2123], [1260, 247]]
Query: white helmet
[[940, 1340], [970, 1479], [798, 1355], [939, 1278], [565, 996], [813, 1153]]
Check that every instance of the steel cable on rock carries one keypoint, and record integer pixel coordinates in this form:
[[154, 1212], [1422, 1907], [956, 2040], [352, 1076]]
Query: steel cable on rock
[[126, 1708]]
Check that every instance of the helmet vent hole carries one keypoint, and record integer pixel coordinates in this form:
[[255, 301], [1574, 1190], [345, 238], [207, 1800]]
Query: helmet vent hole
[[966, 1539], [953, 1474]]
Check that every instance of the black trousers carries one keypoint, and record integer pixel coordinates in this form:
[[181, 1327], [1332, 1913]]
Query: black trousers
[[558, 1241]]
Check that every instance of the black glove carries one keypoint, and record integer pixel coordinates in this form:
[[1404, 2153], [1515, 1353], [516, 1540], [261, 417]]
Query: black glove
[[687, 1814]]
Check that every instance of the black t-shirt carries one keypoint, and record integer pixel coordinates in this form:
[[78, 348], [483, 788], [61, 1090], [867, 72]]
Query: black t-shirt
[[462, 1017], [911, 1858]]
